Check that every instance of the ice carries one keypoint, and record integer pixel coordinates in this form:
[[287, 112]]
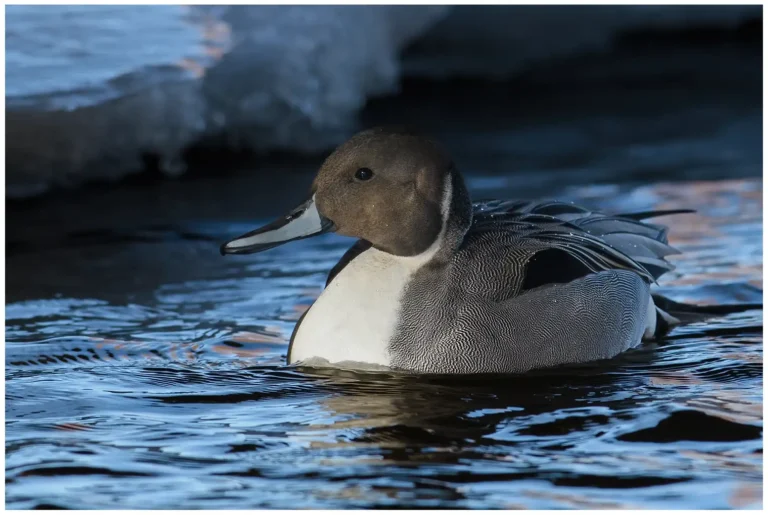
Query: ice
[[92, 90]]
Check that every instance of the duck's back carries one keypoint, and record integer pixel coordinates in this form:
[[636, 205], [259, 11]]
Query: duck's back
[[534, 284]]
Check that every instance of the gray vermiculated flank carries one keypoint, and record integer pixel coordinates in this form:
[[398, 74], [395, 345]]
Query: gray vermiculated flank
[[595, 317], [471, 312]]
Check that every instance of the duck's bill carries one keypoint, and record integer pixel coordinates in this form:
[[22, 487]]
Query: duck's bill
[[302, 222]]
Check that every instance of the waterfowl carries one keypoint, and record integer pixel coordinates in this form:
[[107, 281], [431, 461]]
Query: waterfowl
[[438, 284]]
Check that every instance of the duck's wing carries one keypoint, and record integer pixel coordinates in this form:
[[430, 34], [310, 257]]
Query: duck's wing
[[597, 240]]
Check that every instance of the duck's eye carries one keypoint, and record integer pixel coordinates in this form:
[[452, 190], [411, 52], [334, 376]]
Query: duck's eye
[[363, 174]]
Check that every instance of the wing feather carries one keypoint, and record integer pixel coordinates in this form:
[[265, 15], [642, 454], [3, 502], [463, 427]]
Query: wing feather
[[597, 240]]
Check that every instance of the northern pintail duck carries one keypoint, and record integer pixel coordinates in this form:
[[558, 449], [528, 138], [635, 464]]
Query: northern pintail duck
[[437, 284]]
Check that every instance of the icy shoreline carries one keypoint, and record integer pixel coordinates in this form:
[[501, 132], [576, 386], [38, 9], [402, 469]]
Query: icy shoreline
[[89, 96], [93, 96]]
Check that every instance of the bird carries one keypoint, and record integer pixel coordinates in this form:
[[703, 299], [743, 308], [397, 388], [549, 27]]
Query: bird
[[438, 284]]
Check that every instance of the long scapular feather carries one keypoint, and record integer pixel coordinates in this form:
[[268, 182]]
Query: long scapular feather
[[653, 214]]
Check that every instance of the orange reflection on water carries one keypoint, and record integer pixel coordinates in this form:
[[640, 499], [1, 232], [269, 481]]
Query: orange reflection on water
[[746, 495]]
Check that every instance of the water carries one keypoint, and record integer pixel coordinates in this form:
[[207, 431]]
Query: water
[[143, 370]]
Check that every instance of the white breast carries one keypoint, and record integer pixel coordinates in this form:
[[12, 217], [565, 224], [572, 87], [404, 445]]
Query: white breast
[[356, 316]]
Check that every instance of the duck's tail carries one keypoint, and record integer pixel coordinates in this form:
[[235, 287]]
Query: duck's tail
[[670, 314]]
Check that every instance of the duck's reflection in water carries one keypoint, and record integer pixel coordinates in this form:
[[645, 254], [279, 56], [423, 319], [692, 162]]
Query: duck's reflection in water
[[440, 418], [424, 432]]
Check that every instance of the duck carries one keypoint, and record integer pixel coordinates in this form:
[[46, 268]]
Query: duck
[[438, 284]]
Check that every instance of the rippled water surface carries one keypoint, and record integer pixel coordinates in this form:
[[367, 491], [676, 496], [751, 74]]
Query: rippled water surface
[[174, 394]]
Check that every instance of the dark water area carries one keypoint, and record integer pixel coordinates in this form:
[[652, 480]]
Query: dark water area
[[144, 370]]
